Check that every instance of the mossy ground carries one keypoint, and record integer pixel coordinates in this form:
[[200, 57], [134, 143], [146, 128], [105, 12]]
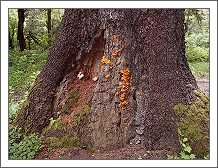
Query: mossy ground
[[194, 123], [80, 116], [73, 97], [59, 135], [66, 141]]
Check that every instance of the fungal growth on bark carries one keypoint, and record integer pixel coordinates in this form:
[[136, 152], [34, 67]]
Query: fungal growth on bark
[[126, 69]]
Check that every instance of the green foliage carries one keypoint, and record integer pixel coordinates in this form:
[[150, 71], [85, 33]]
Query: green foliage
[[196, 15], [197, 36], [35, 27], [23, 146], [199, 69], [200, 39], [197, 20], [15, 135], [62, 142], [193, 123], [186, 150], [87, 108], [197, 54], [197, 47], [55, 123], [72, 98], [13, 107], [197, 40], [79, 117], [12, 26], [23, 69]]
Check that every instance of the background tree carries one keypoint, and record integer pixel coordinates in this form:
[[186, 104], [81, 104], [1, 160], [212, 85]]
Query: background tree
[[49, 25], [24, 66], [11, 45], [20, 33], [35, 27], [12, 28]]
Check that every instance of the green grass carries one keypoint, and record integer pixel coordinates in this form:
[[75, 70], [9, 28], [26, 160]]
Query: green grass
[[23, 69], [199, 69]]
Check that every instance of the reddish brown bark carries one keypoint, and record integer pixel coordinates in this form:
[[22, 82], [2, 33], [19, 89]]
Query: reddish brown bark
[[71, 40], [141, 76]]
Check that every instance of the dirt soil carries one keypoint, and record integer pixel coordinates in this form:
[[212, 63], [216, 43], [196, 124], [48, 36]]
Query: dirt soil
[[203, 84], [127, 153]]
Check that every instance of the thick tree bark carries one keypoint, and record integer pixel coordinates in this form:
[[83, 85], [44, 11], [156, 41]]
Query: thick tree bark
[[161, 75], [20, 33], [142, 73], [71, 40], [49, 25], [153, 49]]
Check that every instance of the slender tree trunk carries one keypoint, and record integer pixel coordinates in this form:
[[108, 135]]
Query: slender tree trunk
[[49, 25], [34, 38], [138, 57], [10, 37], [20, 33], [29, 40]]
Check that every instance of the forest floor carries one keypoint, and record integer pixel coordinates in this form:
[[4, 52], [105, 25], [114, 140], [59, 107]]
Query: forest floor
[[203, 84], [126, 153]]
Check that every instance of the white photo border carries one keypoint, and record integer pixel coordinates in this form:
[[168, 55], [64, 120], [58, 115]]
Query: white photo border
[[212, 5]]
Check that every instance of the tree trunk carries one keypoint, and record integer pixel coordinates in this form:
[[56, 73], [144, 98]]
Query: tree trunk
[[71, 40], [10, 37], [49, 25], [34, 38], [135, 71], [11, 32], [20, 33], [29, 40]]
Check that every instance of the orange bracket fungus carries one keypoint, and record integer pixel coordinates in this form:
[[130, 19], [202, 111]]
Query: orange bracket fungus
[[124, 88], [107, 63]]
